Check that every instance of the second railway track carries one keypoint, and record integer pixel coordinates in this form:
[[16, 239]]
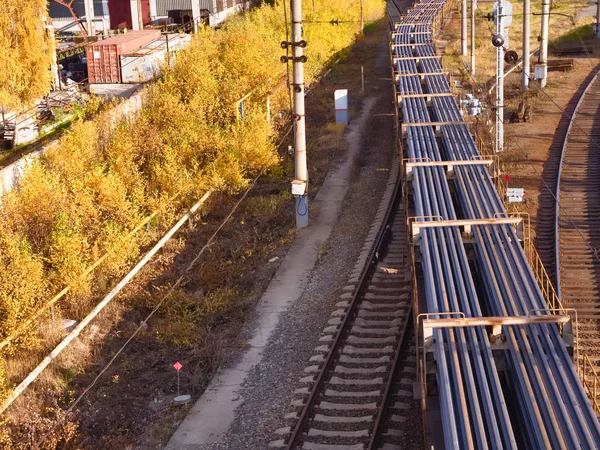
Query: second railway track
[[577, 220]]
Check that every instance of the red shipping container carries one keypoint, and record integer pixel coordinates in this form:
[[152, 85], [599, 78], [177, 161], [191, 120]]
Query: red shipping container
[[120, 13], [103, 57]]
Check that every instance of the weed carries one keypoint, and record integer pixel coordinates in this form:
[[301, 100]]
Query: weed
[[323, 250], [336, 128]]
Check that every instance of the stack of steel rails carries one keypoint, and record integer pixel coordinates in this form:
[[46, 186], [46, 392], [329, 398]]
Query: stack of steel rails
[[537, 400]]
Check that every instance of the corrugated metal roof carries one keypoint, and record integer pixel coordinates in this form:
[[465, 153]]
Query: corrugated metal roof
[[163, 6], [58, 11]]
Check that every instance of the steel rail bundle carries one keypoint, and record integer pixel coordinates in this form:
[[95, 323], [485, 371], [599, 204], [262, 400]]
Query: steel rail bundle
[[540, 387]]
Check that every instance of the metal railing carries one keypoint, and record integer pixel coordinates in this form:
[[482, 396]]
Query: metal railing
[[591, 386], [543, 279]]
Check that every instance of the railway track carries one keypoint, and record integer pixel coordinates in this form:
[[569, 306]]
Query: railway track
[[358, 388], [577, 222], [546, 221]]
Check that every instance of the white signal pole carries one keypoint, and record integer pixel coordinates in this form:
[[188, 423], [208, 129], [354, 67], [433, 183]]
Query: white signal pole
[[499, 81], [473, 8], [526, 36], [543, 60], [463, 28], [300, 185]]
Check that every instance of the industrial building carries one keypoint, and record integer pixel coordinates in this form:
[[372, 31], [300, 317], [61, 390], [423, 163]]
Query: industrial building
[[117, 14]]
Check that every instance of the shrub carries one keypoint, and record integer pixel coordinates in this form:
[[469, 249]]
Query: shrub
[[84, 196]]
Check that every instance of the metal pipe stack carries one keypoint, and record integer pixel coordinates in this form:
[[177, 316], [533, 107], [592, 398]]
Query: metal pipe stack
[[538, 401]]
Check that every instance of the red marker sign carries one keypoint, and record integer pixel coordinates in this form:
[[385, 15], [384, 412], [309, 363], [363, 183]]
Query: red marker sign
[[177, 366], [506, 178]]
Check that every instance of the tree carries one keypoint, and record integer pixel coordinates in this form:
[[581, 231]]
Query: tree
[[70, 6], [26, 53]]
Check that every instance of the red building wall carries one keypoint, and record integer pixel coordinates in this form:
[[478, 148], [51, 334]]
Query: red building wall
[[120, 13]]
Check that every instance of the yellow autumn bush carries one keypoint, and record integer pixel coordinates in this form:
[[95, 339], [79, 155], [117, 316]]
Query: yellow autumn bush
[[84, 196]]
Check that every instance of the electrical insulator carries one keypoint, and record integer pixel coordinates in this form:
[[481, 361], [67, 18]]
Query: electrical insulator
[[511, 57], [497, 40]]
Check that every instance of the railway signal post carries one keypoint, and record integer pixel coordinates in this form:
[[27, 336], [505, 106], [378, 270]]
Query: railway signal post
[[498, 42]]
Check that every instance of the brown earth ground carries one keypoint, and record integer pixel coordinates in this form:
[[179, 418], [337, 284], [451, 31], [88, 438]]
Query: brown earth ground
[[532, 149], [129, 405]]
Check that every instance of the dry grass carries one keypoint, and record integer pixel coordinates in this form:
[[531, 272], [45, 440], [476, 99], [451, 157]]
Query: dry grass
[[336, 128]]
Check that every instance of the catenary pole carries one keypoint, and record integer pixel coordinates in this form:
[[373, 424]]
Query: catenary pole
[[301, 170], [543, 59], [526, 49], [463, 28], [473, 8]]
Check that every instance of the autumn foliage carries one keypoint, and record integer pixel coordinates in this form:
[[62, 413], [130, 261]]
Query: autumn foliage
[[25, 52], [82, 198]]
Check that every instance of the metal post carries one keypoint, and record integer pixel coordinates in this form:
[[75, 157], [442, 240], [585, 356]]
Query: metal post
[[463, 28], [195, 14], [362, 20], [473, 8], [526, 36], [598, 18], [301, 170], [362, 79], [153, 10], [500, 82], [89, 17], [543, 60], [136, 15], [167, 48]]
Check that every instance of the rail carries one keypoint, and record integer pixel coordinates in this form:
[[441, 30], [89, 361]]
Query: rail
[[587, 372], [557, 192], [297, 432]]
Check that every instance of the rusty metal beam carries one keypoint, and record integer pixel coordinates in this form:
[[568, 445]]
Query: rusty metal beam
[[495, 321], [449, 165]]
